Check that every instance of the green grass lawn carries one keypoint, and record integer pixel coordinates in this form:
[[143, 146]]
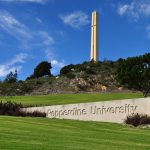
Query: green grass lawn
[[70, 98], [18, 133]]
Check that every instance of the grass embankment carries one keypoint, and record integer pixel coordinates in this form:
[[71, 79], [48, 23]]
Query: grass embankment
[[46, 134], [70, 98]]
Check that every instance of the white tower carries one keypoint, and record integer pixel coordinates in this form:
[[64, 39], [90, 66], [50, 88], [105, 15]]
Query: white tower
[[95, 37]]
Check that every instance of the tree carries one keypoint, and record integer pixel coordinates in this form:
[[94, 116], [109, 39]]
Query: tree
[[134, 72], [30, 77], [67, 69], [11, 77], [42, 69]]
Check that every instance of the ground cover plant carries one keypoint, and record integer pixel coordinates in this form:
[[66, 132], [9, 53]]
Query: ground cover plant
[[69, 98], [138, 119], [14, 109], [17, 133]]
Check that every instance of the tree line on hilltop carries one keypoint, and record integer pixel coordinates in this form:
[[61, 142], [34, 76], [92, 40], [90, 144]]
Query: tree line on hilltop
[[132, 72]]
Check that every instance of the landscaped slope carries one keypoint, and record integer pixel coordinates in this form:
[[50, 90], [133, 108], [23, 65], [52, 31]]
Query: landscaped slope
[[70, 98], [85, 77], [45, 134]]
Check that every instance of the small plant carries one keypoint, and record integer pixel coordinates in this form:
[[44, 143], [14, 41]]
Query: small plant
[[13, 109], [137, 120], [70, 75], [32, 114], [39, 82]]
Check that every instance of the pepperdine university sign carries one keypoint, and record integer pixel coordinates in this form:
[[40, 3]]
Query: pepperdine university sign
[[106, 111]]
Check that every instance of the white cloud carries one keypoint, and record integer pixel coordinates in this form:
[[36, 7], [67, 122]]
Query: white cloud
[[4, 69], [56, 66], [49, 54], [30, 1], [29, 39], [47, 39], [57, 63], [12, 26], [76, 19], [122, 9], [39, 20], [20, 58], [135, 10], [12, 64]]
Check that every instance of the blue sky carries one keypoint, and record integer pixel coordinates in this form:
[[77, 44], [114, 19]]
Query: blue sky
[[59, 31]]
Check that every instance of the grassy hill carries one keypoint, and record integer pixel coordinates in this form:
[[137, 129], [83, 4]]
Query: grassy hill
[[17, 133], [85, 77], [45, 134], [69, 98]]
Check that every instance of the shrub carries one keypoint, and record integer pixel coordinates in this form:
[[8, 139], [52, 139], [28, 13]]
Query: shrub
[[50, 82], [70, 75], [39, 82], [30, 77], [13, 109], [9, 108], [27, 87], [32, 114], [137, 119], [90, 71], [67, 69]]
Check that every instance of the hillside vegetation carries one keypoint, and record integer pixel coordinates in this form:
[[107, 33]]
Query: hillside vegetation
[[45, 134], [123, 75], [86, 77]]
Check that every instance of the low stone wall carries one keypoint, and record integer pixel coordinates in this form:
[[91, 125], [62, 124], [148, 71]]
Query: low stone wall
[[106, 111]]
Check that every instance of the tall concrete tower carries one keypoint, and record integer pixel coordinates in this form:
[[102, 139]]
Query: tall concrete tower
[[95, 37]]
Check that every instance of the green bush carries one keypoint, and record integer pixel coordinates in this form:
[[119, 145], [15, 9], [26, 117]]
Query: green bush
[[13, 109], [67, 69], [90, 71], [137, 119], [70, 75]]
